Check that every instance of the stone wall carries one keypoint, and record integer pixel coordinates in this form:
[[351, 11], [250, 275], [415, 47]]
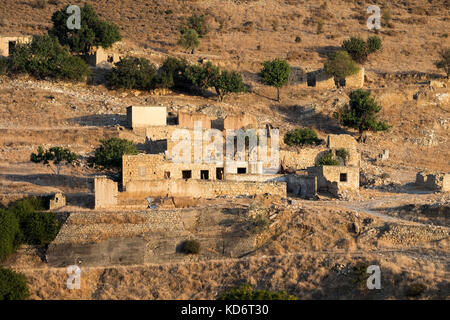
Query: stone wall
[[338, 141], [187, 120], [203, 189], [106, 192], [58, 201], [142, 117], [301, 159], [324, 80], [236, 122], [355, 81], [115, 251], [255, 177], [336, 179], [301, 185], [148, 167]]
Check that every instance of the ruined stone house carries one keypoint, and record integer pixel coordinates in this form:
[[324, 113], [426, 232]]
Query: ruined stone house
[[157, 173], [7, 43]]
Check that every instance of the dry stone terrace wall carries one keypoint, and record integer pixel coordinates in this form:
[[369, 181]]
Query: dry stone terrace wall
[[204, 189], [149, 236]]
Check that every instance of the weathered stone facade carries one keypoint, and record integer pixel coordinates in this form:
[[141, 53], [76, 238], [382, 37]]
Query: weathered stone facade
[[106, 192], [58, 201], [143, 117]]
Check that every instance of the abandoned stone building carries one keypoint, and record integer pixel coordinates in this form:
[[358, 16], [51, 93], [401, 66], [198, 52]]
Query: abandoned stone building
[[7, 43], [99, 57], [433, 181], [157, 173]]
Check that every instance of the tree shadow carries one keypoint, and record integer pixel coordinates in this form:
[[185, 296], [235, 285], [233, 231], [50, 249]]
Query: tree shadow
[[51, 180], [306, 116], [323, 51], [100, 120]]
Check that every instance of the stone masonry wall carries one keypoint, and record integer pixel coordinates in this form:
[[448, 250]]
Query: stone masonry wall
[[106, 192]]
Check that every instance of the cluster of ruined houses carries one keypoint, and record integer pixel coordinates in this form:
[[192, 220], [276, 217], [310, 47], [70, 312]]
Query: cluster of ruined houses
[[156, 174], [96, 58]]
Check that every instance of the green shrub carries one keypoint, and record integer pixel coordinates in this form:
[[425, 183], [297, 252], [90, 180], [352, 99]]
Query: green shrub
[[373, 44], [197, 23], [357, 49], [202, 76], [245, 291], [320, 27], [9, 233], [191, 247], [305, 136], [340, 65], [173, 74], [276, 73], [3, 65], [94, 32], [298, 39], [360, 275], [360, 113], [40, 228], [228, 82], [327, 160], [343, 154], [110, 153], [132, 73], [44, 58], [13, 285]]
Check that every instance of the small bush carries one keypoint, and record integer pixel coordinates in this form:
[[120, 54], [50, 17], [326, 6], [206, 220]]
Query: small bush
[[13, 285], [373, 44], [298, 39], [305, 136], [246, 292], [110, 153], [343, 154], [132, 73], [327, 160], [320, 27], [415, 290], [340, 65], [360, 274], [357, 49], [191, 247]]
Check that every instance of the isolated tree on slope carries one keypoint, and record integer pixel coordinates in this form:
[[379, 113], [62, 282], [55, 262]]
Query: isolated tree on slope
[[93, 31], [360, 113], [276, 73], [189, 40], [55, 158]]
